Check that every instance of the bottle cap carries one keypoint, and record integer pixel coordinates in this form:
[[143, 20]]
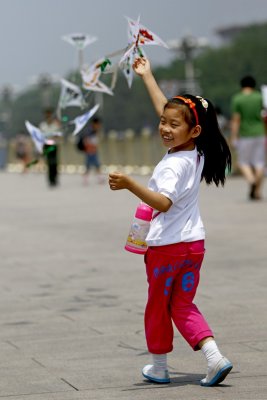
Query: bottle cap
[[144, 212]]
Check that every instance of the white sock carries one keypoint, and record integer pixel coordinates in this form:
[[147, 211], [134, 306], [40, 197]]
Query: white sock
[[159, 362], [212, 353]]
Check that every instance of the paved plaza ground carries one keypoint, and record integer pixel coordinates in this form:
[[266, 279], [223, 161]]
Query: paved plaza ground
[[72, 299]]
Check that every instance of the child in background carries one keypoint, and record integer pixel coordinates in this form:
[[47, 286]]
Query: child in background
[[90, 141], [196, 150], [22, 149]]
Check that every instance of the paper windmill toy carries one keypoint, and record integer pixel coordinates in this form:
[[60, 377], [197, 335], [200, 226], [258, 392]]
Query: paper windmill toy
[[82, 120], [70, 95], [39, 139], [138, 36], [90, 77], [79, 40]]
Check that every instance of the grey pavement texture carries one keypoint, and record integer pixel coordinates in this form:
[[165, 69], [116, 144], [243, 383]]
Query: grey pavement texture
[[72, 299]]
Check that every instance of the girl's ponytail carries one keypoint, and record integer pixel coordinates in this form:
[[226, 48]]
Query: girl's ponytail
[[213, 145]]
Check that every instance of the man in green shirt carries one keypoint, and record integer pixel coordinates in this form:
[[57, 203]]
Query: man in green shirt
[[247, 135]]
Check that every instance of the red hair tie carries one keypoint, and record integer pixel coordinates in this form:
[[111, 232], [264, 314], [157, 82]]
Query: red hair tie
[[190, 104]]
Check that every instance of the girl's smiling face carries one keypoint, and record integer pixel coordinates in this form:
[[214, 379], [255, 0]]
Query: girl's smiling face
[[175, 132]]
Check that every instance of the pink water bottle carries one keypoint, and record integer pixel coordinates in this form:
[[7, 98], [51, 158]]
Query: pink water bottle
[[136, 241]]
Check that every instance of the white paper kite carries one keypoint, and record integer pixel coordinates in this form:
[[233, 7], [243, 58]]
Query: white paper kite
[[138, 35], [79, 40], [126, 65], [70, 95], [90, 77], [82, 120], [36, 135], [39, 138]]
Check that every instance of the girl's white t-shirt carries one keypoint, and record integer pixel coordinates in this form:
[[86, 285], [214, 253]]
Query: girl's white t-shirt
[[177, 176]]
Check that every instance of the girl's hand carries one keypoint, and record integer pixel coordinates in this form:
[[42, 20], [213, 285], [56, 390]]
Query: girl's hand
[[155, 200], [141, 66], [118, 181]]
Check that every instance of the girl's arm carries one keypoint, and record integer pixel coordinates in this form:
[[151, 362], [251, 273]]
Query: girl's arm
[[142, 67], [155, 200]]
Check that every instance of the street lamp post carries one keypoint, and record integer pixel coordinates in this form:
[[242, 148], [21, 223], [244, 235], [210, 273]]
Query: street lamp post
[[45, 84], [186, 48], [6, 111]]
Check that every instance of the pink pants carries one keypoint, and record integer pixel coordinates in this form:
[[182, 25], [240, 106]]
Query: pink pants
[[173, 277]]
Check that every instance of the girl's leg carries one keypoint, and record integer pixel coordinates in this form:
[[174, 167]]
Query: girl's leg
[[173, 276], [158, 323], [185, 314], [191, 323], [163, 265], [218, 365], [158, 370]]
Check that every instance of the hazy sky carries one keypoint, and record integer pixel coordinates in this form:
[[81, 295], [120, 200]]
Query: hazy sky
[[31, 30]]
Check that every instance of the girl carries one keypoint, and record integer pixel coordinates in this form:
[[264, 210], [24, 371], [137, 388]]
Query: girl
[[196, 151]]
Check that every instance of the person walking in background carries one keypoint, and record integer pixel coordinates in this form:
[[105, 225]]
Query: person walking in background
[[247, 135], [196, 150], [23, 149], [90, 140], [51, 128]]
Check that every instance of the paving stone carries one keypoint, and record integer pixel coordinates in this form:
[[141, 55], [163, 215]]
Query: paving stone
[[72, 299]]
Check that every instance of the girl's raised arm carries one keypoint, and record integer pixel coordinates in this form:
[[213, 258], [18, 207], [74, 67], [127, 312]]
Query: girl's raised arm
[[142, 68]]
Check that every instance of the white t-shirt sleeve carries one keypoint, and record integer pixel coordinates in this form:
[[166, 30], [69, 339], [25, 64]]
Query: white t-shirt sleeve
[[168, 182]]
